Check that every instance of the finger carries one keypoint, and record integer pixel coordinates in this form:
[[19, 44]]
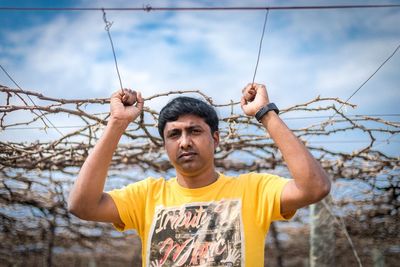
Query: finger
[[253, 86], [250, 94], [139, 101], [247, 87], [124, 95], [261, 91], [124, 98], [250, 91], [132, 97], [261, 86], [243, 102], [117, 94], [129, 97]]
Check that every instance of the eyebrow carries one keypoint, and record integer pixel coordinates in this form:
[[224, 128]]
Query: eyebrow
[[191, 127]]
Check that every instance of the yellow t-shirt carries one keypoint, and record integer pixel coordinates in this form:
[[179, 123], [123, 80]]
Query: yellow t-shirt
[[222, 224]]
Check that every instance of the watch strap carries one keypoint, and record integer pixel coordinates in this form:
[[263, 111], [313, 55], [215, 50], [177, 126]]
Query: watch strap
[[264, 110]]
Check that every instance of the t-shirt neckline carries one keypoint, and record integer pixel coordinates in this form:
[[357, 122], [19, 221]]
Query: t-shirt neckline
[[200, 190]]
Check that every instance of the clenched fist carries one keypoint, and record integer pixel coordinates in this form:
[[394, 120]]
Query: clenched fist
[[122, 105], [254, 97]]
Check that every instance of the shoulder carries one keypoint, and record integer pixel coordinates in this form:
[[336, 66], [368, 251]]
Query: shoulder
[[152, 181], [255, 176], [143, 185], [265, 179], [246, 177]]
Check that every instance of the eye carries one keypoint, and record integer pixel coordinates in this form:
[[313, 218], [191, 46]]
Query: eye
[[173, 134], [196, 131]]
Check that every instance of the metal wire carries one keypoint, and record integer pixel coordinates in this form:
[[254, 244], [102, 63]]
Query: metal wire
[[44, 116], [149, 8], [260, 46], [107, 28], [369, 78]]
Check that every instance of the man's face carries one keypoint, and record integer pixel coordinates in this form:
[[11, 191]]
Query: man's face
[[190, 145]]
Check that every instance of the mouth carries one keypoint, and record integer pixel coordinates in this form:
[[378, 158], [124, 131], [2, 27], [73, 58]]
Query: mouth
[[186, 155]]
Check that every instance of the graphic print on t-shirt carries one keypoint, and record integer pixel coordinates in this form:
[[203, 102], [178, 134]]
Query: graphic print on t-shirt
[[206, 234]]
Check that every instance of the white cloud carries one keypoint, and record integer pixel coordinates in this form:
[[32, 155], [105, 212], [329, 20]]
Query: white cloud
[[304, 53]]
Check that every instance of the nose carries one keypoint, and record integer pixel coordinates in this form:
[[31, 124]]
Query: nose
[[185, 141]]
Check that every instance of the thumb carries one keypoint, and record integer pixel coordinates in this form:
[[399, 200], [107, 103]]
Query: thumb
[[139, 101], [244, 105]]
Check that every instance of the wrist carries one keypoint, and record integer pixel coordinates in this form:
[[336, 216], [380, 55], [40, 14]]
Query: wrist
[[117, 124], [267, 118], [265, 110]]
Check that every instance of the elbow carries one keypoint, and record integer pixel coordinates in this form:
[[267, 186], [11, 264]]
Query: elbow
[[323, 189], [75, 209]]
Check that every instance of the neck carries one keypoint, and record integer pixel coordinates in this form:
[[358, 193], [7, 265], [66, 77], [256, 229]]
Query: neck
[[197, 180]]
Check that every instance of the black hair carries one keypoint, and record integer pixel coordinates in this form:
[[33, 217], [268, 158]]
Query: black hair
[[184, 105]]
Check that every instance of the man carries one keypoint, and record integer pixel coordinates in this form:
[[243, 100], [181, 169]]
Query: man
[[201, 217]]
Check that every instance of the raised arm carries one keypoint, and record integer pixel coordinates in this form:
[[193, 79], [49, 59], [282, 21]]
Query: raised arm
[[87, 199], [310, 183]]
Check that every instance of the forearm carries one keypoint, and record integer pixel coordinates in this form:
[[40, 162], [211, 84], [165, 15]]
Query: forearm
[[307, 172], [89, 186], [310, 183]]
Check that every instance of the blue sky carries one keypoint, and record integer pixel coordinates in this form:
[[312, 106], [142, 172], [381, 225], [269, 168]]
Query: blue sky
[[305, 54]]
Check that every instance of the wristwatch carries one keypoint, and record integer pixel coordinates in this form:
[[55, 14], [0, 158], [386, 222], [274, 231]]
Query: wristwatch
[[264, 110]]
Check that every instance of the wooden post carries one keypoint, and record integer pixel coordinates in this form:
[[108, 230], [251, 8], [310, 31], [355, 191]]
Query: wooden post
[[322, 235]]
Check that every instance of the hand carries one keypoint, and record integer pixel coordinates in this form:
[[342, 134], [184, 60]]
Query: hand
[[254, 98], [122, 105]]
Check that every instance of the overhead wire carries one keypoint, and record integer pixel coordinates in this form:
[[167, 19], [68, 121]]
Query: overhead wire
[[260, 45], [369, 78], [329, 121], [149, 8], [33, 102], [107, 28]]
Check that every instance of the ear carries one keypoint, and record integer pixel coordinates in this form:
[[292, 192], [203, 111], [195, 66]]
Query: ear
[[216, 139]]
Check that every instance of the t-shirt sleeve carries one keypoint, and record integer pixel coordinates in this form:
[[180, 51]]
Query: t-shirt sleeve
[[130, 201], [268, 189]]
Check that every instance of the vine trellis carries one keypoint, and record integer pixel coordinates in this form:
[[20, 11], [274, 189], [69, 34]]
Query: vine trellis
[[36, 175]]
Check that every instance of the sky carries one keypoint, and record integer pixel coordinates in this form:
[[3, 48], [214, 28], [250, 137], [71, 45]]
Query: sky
[[304, 54]]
